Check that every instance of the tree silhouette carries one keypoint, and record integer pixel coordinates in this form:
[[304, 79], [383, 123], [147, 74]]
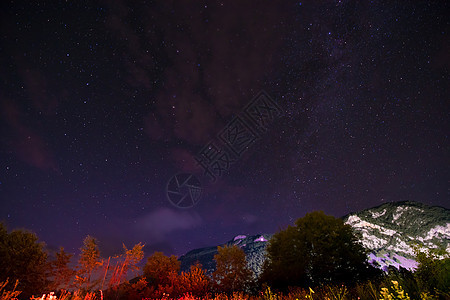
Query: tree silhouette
[[320, 249], [23, 258]]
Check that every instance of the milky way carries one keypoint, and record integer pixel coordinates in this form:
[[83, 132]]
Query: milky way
[[102, 104]]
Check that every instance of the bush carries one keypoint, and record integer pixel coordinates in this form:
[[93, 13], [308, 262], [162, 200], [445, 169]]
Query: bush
[[11, 294], [394, 292]]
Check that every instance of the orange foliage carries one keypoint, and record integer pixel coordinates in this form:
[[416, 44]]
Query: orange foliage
[[194, 282]]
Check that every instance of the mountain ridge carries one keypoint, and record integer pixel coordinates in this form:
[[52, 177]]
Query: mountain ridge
[[387, 231]]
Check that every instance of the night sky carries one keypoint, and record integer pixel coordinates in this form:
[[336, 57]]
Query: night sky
[[102, 102]]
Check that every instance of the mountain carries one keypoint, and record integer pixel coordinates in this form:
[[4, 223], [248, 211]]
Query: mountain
[[389, 231], [386, 230], [254, 247]]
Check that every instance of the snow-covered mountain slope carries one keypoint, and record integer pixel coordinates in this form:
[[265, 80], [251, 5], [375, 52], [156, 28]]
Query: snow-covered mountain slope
[[253, 245], [388, 231]]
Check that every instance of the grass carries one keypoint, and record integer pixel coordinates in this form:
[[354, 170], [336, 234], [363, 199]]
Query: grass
[[368, 290]]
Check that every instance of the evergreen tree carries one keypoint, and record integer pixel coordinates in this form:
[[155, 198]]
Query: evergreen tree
[[62, 274], [89, 262]]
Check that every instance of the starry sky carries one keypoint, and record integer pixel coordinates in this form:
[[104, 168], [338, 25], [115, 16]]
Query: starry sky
[[102, 102]]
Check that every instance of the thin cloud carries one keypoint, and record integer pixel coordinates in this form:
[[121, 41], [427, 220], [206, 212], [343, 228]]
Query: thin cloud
[[163, 221], [25, 143]]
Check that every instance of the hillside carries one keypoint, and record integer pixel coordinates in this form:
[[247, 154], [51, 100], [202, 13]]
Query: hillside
[[389, 230], [253, 245], [386, 230]]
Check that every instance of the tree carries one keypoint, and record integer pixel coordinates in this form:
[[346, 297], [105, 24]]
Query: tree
[[433, 272], [126, 262], [132, 257], [23, 258], [284, 266], [160, 270], [195, 282], [232, 273], [89, 262], [320, 249], [117, 284], [61, 272]]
